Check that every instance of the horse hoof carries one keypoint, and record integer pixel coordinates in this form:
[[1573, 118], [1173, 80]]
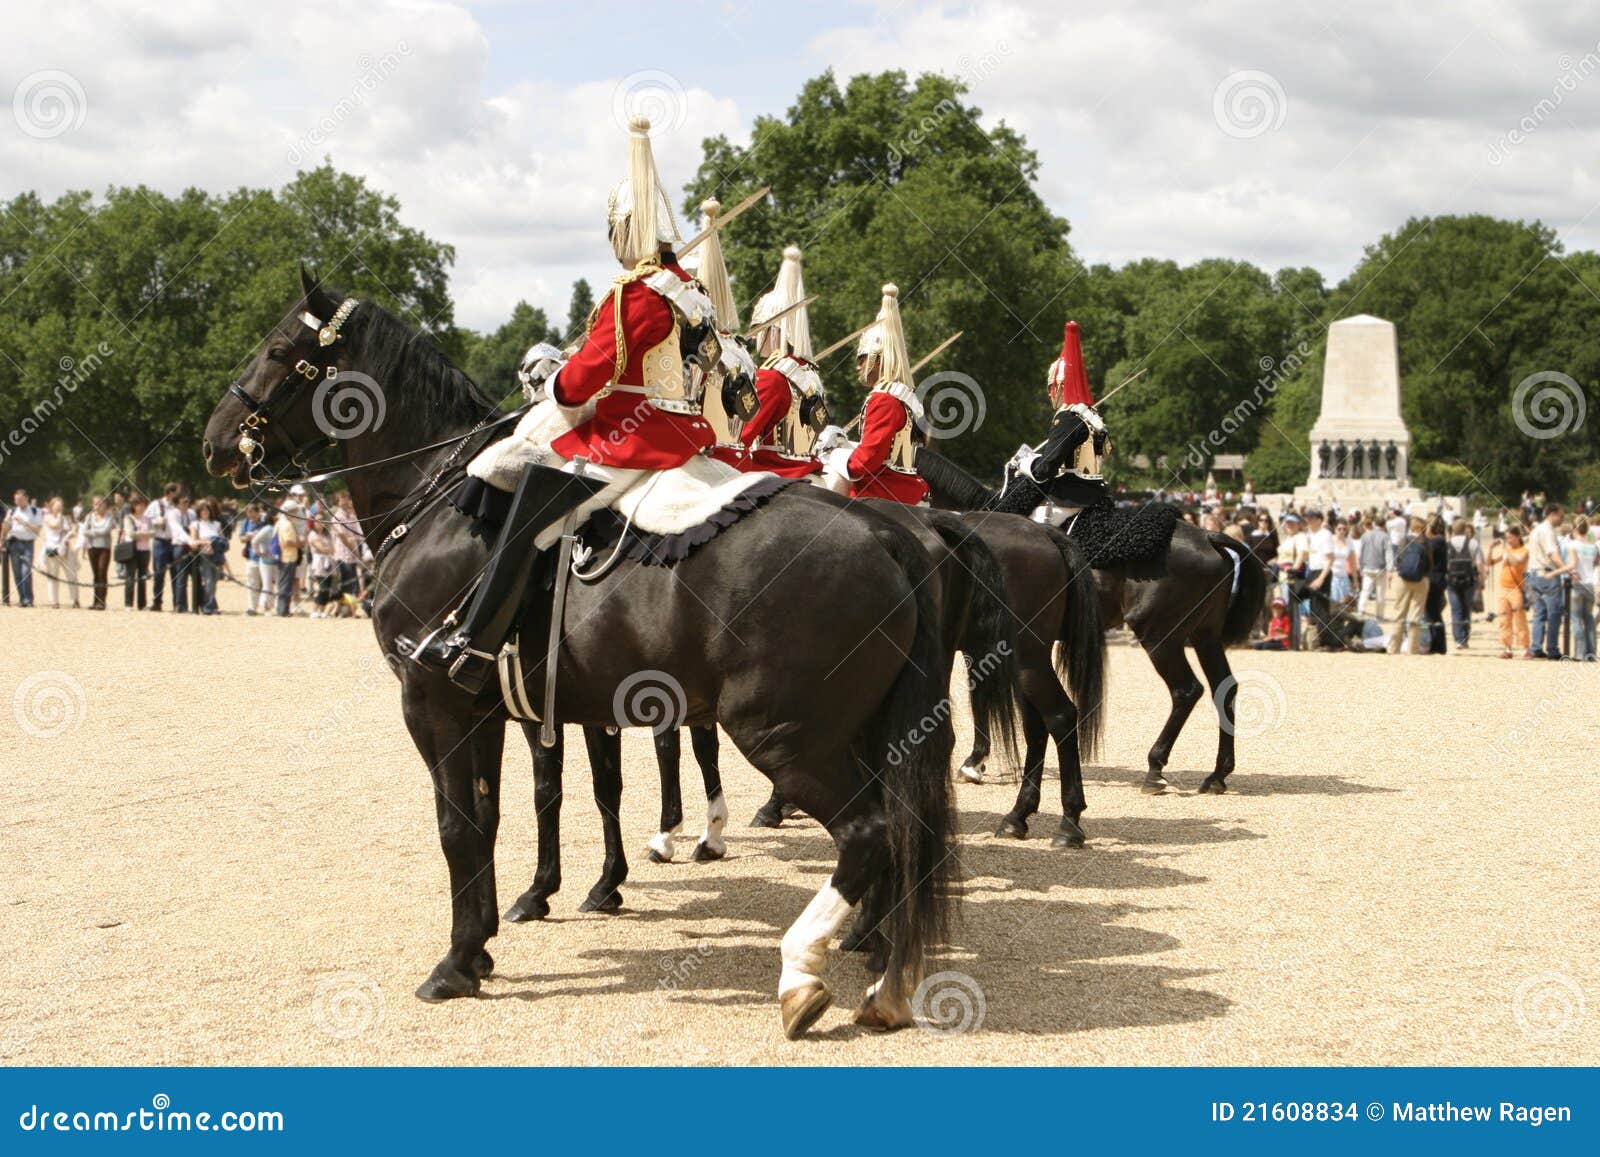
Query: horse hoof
[[528, 908], [599, 901], [1069, 836], [766, 819], [800, 1007], [704, 853], [883, 1015], [1214, 785], [483, 965], [447, 984], [1011, 829], [971, 773], [656, 857], [1154, 784]]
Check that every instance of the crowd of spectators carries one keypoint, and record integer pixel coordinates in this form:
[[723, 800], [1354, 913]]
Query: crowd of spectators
[[1411, 580], [305, 555]]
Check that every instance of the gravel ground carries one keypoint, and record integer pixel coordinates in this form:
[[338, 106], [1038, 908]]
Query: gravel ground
[[219, 847]]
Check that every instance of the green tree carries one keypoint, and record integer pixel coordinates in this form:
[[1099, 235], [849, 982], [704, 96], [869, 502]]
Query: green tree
[[492, 358], [578, 310], [886, 180], [126, 317]]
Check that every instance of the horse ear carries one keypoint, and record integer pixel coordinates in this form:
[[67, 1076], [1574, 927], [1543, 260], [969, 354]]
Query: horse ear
[[308, 282]]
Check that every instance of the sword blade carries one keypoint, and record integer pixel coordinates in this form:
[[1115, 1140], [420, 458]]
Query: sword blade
[[780, 315], [724, 217], [938, 349], [844, 341]]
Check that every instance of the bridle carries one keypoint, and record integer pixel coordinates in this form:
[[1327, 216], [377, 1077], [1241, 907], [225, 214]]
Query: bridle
[[251, 445], [259, 411]]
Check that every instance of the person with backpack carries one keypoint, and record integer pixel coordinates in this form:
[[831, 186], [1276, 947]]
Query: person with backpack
[[1463, 562], [1411, 576]]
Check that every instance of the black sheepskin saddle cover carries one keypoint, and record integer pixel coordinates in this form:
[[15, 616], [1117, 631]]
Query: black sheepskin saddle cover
[[1117, 536], [487, 507]]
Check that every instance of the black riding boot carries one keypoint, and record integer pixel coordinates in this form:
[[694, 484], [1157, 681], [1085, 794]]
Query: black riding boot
[[468, 651]]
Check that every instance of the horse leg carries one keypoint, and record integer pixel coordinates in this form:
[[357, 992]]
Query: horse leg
[[1060, 715], [711, 845], [971, 768], [464, 757], [1015, 822], [771, 813], [605, 761], [1169, 661], [534, 904], [1224, 689], [669, 758], [860, 831]]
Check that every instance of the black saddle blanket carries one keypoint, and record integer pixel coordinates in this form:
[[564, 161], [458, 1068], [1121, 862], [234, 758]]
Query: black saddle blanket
[[1113, 536]]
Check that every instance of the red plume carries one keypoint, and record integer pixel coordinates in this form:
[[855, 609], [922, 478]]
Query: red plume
[[1069, 381]]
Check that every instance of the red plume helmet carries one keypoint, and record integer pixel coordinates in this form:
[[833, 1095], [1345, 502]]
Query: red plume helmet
[[1068, 380]]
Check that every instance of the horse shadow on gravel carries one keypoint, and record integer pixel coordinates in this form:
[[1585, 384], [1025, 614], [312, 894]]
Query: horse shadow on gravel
[[1039, 963], [1187, 783]]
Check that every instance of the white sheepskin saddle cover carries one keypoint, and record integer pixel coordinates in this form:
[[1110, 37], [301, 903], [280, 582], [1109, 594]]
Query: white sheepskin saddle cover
[[655, 501]]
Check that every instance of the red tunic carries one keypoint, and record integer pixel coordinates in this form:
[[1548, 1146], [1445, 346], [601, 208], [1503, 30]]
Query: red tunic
[[626, 430], [775, 395], [885, 415]]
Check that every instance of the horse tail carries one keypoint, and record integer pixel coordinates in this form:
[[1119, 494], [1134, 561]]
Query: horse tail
[[1248, 592], [910, 742], [988, 635], [1082, 658]]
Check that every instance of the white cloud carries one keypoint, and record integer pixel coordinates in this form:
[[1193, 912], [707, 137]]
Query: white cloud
[[1387, 111]]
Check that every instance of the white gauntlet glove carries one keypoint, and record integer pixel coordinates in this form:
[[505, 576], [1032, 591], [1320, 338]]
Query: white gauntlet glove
[[538, 366], [831, 438], [837, 461]]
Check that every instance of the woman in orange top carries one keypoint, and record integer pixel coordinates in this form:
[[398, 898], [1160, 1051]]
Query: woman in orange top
[[1512, 558]]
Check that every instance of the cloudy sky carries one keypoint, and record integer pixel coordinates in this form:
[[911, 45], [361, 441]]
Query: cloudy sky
[[1282, 132]]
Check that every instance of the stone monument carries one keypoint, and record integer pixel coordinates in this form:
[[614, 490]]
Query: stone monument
[[1360, 447]]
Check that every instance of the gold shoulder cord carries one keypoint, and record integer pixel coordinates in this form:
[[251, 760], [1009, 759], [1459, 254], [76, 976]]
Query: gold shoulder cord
[[639, 272]]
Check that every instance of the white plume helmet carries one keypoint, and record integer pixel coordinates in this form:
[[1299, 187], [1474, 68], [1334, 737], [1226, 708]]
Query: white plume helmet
[[794, 330], [640, 217], [712, 271], [886, 341]]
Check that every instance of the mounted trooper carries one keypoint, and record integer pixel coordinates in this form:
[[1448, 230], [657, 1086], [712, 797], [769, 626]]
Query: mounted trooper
[[883, 463], [1068, 462], [625, 405], [728, 390], [792, 407]]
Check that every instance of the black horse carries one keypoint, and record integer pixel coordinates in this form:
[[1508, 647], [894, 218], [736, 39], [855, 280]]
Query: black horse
[[848, 725], [1205, 592], [1054, 600]]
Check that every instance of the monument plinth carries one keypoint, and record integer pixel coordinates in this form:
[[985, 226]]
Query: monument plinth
[[1360, 447]]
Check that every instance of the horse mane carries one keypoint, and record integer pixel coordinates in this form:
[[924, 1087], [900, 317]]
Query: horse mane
[[410, 361], [951, 483]]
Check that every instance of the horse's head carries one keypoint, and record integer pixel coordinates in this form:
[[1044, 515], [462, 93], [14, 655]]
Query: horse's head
[[279, 408]]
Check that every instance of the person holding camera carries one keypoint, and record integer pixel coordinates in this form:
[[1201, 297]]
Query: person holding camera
[[24, 525]]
